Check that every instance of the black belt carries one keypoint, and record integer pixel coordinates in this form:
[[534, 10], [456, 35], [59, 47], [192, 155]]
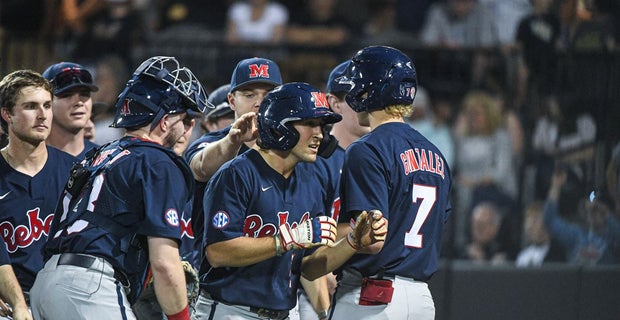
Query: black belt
[[269, 313], [260, 312], [78, 260], [86, 261]]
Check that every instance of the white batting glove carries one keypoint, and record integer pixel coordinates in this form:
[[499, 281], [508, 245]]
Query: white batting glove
[[320, 231]]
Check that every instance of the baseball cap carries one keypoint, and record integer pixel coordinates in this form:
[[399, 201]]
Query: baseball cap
[[255, 70], [220, 111], [66, 75], [219, 98], [333, 85]]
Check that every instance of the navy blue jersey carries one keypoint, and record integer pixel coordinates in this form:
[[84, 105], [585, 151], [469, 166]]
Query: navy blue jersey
[[27, 206], [142, 192], [398, 171], [197, 216], [329, 171], [88, 145], [247, 198], [189, 249]]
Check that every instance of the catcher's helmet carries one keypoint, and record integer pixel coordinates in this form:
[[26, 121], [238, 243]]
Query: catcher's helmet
[[379, 77], [285, 104], [159, 86]]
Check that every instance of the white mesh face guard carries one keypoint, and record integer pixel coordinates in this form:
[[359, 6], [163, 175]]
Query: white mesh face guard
[[168, 70]]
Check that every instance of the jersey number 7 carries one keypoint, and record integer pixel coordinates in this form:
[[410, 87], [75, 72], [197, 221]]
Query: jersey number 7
[[426, 196]]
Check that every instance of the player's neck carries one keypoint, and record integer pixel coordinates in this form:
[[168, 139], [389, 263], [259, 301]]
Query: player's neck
[[25, 157], [379, 117], [69, 142], [344, 136], [279, 161]]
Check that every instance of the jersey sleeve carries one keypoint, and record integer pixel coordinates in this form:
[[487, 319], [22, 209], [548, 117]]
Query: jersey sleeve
[[363, 186], [225, 205], [165, 196]]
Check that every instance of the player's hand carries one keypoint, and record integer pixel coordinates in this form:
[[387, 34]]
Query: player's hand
[[367, 229], [244, 129], [320, 231]]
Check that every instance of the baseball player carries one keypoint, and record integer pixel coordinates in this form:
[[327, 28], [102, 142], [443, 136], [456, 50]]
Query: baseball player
[[72, 106], [32, 174], [120, 211], [345, 131], [222, 115], [261, 212], [10, 290], [395, 170]]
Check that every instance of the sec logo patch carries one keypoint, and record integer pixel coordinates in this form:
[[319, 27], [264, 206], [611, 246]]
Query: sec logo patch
[[172, 217], [220, 220]]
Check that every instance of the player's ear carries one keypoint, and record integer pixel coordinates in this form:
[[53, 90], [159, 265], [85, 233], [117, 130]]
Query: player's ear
[[332, 100], [231, 100], [6, 115]]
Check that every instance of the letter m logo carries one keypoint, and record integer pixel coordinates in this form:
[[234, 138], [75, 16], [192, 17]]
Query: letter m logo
[[259, 70], [320, 100]]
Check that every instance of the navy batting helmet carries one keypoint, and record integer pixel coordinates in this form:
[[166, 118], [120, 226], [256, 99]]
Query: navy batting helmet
[[159, 86], [379, 77], [285, 104]]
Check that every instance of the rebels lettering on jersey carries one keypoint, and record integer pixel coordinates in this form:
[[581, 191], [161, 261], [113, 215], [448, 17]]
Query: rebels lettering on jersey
[[22, 236], [244, 198], [27, 206]]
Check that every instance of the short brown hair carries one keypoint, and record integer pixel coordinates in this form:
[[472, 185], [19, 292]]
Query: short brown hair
[[13, 83]]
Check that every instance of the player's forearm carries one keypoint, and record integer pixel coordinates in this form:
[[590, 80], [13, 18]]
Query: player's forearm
[[208, 160], [168, 275], [242, 251], [326, 259], [317, 293], [10, 288]]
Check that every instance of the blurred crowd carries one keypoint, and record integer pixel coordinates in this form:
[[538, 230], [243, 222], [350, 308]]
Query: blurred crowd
[[534, 167]]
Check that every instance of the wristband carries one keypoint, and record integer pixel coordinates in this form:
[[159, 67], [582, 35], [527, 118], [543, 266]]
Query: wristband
[[182, 315], [322, 315], [278, 246], [352, 242]]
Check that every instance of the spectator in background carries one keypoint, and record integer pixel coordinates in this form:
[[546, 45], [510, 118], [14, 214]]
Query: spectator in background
[[538, 36], [72, 86], [538, 246], [411, 15], [487, 243], [595, 239], [507, 15], [318, 25], [459, 24], [118, 29], [431, 118], [256, 21], [25, 34], [484, 159], [462, 24], [593, 27]]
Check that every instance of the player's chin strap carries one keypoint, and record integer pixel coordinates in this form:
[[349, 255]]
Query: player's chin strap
[[328, 144]]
